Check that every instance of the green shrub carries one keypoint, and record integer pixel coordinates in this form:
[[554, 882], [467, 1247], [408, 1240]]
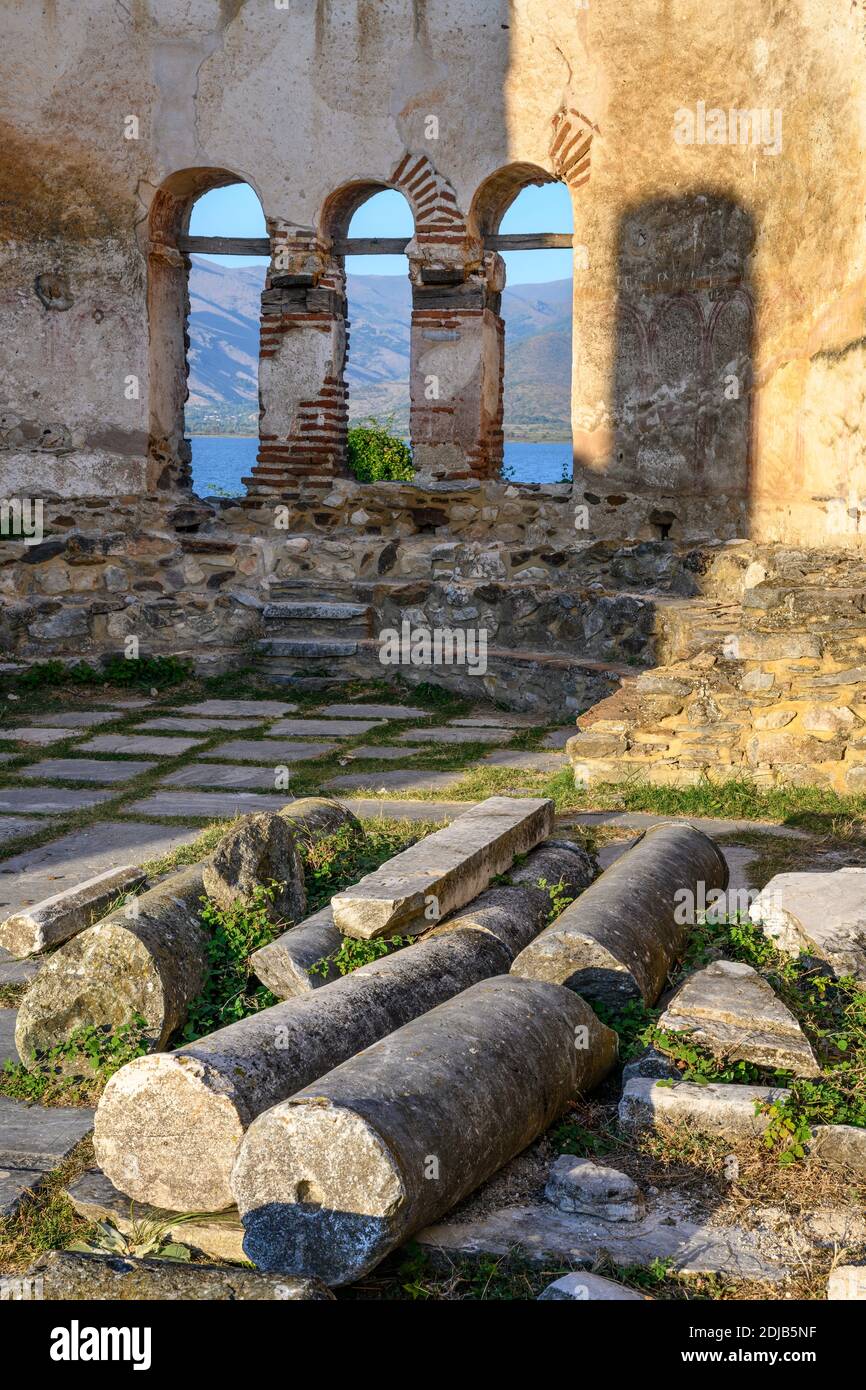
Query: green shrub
[[374, 454]]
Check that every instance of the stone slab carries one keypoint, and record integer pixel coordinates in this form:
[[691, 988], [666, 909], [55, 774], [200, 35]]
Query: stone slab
[[590, 1189], [384, 752], [14, 971], [15, 1183], [495, 719], [37, 873], [229, 775], [731, 1011], [642, 820], [396, 781], [8, 1050], [40, 736], [323, 728], [362, 711], [77, 719], [823, 914], [84, 770], [543, 1234], [205, 805], [377, 808], [180, 724], [528, 760], [96, 1199], [11, 827], [278, 750], [148, 745], [450, 735], [451, 866], [239, 709], [68, 912], [718, 1108], [43, 801], [39, 1136]]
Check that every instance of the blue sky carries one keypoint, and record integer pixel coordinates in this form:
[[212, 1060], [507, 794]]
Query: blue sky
[[236, 211]]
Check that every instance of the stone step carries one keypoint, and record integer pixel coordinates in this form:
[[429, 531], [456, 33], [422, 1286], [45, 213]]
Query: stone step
[[309, 649]]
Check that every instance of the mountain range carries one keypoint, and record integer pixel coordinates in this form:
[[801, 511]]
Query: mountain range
[[223, 353]]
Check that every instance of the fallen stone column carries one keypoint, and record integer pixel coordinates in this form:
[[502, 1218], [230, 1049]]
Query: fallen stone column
[[148, 959], [168, 1125], [618, 941], [64, 914], [444, 870], [332, 1180], [284, 965]]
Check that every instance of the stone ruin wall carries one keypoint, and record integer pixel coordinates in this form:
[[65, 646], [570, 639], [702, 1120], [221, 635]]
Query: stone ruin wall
[[691, 264]]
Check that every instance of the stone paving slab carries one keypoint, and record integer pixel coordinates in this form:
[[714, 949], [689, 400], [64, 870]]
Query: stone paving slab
[[84, 770], [149, 745], [256, 750], [545, 1234], [221, 775], [9, 757], [49, 800], [449, 735], [37, 873], [329, 728], [496, 719], [403, 781], [383, 751], [14, 971], [642, 820], [361, 711], [96, 1199], [207, 805], [186, 724], [77, 719], [8, 1050], [40, 1136], [14, 1183], [378, 808], [232, 709], [39, 736], [528, 760], [13, 826]]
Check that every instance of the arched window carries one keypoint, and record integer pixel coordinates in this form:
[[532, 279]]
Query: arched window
[[379, 317], [537, 311], [204, 331]]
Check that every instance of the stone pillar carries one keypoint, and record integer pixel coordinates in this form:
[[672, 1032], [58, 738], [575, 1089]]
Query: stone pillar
[[303, 407], [457, 362]]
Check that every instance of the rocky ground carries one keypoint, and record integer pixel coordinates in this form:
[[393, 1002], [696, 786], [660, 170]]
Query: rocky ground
[[92, 778]]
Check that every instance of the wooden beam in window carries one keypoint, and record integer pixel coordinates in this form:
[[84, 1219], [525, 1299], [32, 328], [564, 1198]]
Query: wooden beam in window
[[367, 246]]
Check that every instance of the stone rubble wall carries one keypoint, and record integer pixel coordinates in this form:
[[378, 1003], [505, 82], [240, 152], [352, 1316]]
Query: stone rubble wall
[[772, 689]]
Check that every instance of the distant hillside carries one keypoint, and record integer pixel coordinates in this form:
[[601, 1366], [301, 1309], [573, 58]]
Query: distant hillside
[[224, 329]]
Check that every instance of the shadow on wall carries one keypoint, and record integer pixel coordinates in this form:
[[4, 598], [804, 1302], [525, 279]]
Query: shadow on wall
[[683, 366]]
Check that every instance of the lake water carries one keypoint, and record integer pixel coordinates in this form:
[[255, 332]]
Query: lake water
[[220, 463]]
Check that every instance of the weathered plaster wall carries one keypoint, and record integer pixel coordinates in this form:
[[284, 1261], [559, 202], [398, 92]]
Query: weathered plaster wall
[[304, 100]]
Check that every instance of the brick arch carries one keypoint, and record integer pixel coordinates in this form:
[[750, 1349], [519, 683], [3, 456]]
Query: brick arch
[[168, 314], [571, 146], [430, 196], [495, 195]]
